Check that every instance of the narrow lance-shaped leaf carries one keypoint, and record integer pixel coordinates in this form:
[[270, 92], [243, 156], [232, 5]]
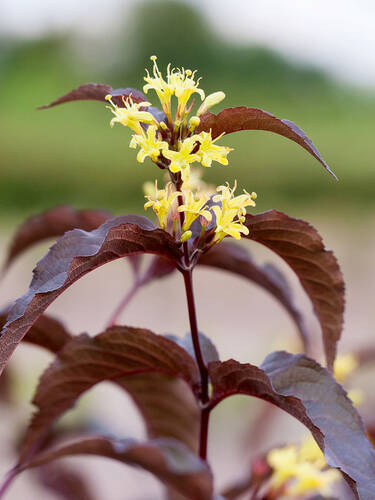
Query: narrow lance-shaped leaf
[[51, 224], [242, 118], [233, 258], [74, 255], [169, 460], [153, 369], [302, 248], [97, 92], [307, 391]]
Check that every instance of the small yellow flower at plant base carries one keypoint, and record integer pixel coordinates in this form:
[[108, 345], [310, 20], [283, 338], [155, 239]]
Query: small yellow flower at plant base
[[309, 451], [149, 144], [301, 470], [284, 463], [162, 201], [193, 207], [130, 115], [209, 152], [210, 101], [309, 479], [344, 366], [356, 396], [181, 159]]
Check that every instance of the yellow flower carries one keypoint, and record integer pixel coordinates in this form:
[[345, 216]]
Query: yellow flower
[[181, 159], [162, 202], [231, 202], [309, 451], [309, 479], [193, 207], [344, 366], [179, 82], [149, 144], [209, 152], [231, 215], [356, 396], [163, 89], [185, 86], [284, 462], [130, 115], [301, 470]]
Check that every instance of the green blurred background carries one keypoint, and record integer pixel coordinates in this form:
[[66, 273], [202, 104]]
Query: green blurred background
[[69, 154]]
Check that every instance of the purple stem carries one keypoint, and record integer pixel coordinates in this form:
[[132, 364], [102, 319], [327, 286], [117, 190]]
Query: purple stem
[[8, 481], [122, 305]]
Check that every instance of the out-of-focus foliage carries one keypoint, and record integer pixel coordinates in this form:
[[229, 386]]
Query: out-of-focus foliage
[[70, 155]]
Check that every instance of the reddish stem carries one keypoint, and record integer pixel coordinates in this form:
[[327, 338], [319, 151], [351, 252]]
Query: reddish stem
[[8, 481], [195, 335], [122, 305], [203, 438]]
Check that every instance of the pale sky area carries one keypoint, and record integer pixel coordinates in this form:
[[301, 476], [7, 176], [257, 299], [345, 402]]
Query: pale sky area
[[335, 35]]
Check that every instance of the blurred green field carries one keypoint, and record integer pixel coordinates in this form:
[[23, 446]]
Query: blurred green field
[[70, 155]]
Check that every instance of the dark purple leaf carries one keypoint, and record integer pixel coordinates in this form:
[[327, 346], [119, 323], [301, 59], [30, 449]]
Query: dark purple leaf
[[46, 332], [169, 460], [53, 223], [302, 248], [233, 258], [74, 255], [242, 118], [307, 391], [97, 92], [153, 369]]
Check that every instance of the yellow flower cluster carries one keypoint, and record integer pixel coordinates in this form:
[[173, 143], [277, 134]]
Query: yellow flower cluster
[[174, 146], [229, 212], [301, 470]]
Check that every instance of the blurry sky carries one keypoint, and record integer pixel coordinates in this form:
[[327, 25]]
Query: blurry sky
[[336, 35]]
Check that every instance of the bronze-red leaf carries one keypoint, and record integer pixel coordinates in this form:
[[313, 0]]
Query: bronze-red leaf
[[71, 257], [154, 370], [307, 391], [46, 332], [97, 92], [51, 224], [169, 460], [242, 118], [302, 248]]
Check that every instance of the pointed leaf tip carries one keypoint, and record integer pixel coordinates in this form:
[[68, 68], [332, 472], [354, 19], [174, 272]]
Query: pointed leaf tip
[[242, 118]]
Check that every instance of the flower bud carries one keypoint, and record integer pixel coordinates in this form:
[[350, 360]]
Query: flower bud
[[210, 101], [193, 123], [185, 236]]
